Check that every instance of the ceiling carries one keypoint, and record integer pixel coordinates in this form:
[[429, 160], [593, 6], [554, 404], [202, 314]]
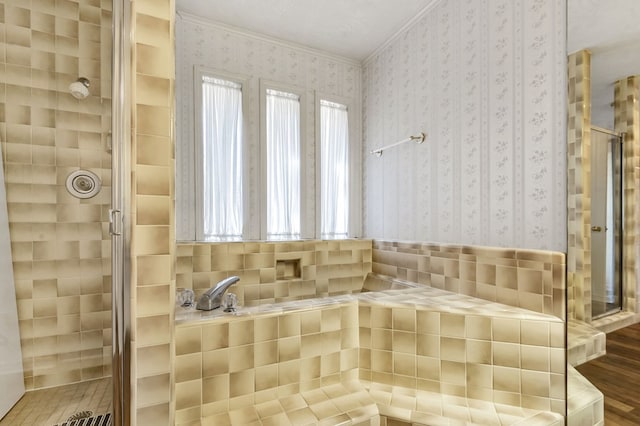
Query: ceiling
[[351, 28], [611, 31], [356, 28]]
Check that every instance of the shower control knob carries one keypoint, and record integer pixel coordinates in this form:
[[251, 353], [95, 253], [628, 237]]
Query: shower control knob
[[83, 184]]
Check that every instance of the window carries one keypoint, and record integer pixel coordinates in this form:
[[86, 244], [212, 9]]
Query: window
[[282, 130], [264, 160], [222, 183], [334, 173]]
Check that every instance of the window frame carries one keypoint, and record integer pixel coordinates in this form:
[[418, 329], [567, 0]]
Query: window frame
[[306, 222], [198, 148], [355, 163]]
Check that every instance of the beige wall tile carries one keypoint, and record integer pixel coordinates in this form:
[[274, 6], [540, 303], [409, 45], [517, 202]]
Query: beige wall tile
[[189, 340], [189, 394], [153, 210], [152, 240], [453, 349], [452, 325], [535, 358], [506, 330], [288, 348], [506, 379], [403, 342], [153, 269], [452, 372], [428, 322], [241, 383], [506, 354], [153, 300], [266, 377], [154, 120], [266, 353], [157, 360], [152, 31], [241, 358], [153, 415], [159, 9], [153, 180], [153, 150], [215, 362], [404, 364], [153, 390], [266, 329], [241, 333], [404, 319], [152, 60]]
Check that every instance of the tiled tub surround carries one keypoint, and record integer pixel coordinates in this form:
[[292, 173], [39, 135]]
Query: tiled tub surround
[[276, 271], [437, 341], [530, 279], [422, 354], [266, 368]]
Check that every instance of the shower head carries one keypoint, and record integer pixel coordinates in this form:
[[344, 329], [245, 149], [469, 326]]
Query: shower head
[[80, 88]]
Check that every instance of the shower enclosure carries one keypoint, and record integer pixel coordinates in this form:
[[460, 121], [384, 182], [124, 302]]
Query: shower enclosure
[[606, 220], [69, 254]]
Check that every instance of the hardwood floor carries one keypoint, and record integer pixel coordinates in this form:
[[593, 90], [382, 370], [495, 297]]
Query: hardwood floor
[[617, 375]]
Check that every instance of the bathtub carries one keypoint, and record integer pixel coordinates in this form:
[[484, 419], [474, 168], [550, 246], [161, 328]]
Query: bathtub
[[391, 340]]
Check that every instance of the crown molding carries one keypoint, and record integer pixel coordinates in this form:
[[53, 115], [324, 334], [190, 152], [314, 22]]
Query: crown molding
[[188, 17], [400, 31]]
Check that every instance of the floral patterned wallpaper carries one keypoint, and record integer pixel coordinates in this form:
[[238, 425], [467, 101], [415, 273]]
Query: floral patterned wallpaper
[[486, 80]]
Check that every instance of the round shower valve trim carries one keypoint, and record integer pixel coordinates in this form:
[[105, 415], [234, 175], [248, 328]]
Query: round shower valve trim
[[83, 184]]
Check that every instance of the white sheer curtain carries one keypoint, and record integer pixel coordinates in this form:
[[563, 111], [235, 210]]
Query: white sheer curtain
[[283, 165], [334, 172], [222, 159]]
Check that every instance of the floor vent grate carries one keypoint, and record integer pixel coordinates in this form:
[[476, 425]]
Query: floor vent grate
[[80, 415], [79, 420]]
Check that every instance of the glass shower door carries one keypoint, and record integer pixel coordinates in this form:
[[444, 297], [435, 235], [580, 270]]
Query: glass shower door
[[606, 221], [11, 374]]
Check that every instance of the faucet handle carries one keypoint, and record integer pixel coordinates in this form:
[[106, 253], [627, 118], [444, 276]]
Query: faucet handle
[[185, 297], [230, 302]]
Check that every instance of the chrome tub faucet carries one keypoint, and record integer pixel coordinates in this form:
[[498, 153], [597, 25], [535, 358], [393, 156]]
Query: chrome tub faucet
[[212, 298]]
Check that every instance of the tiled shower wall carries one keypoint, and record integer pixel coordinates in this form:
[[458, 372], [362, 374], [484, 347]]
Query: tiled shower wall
[[579, 187], [60, 245]]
